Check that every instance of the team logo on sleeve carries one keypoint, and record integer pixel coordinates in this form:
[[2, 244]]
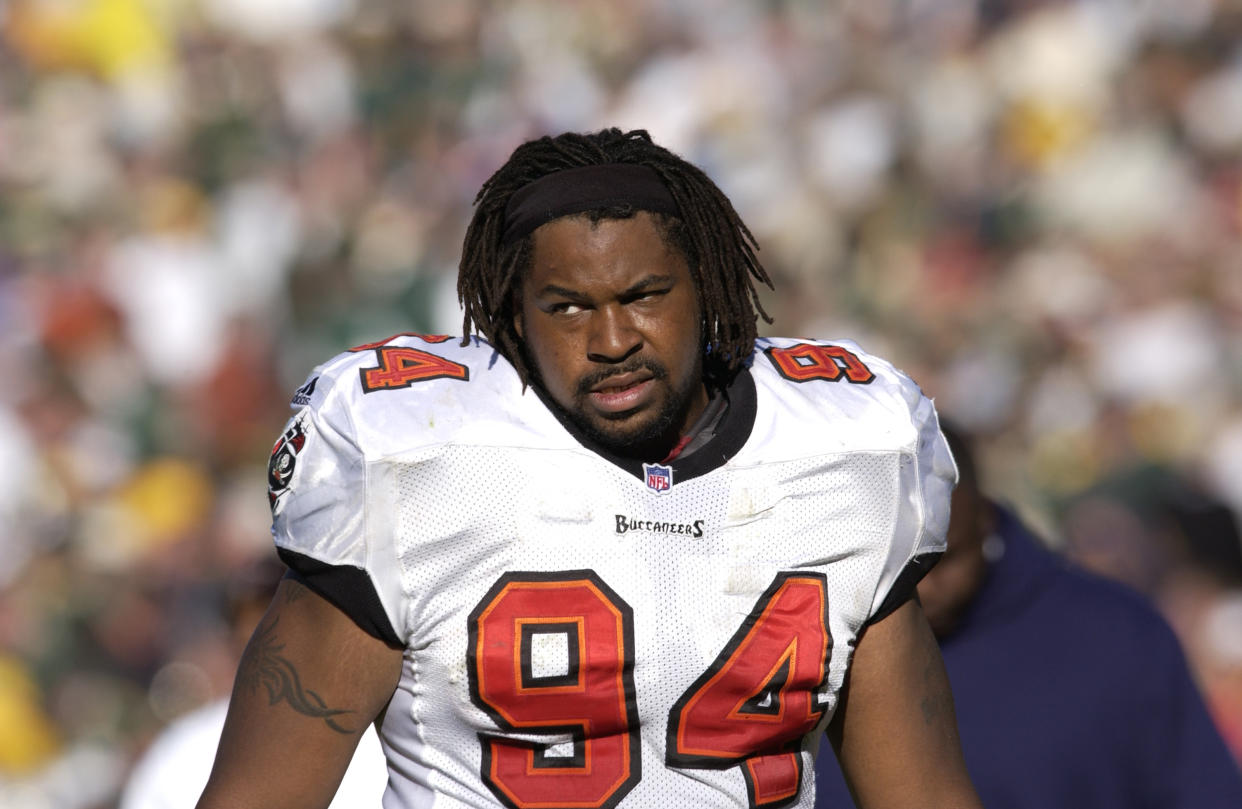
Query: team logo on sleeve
[[283, 461], [659, 478]]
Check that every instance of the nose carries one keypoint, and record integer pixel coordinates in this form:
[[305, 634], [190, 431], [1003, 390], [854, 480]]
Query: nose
[[613, 336]]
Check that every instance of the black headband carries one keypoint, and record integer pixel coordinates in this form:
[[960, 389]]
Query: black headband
[[582, 189]]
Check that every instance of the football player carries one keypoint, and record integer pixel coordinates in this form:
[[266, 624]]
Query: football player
[[610, 548]]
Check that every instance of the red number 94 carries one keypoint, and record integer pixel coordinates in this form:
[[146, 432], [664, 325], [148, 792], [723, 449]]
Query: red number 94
[[750, 708]]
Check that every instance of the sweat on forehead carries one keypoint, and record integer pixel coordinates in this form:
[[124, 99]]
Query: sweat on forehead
[[586, 188]]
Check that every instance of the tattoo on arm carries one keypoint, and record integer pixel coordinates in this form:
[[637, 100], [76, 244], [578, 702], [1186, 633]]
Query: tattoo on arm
[[937, 702], [294, 591], [933, 706], [263, 665]]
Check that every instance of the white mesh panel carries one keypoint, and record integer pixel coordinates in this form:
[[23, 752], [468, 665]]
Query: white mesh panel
[[557, 511]]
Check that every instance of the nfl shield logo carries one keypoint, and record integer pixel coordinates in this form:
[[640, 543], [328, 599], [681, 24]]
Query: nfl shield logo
[[659, 478]]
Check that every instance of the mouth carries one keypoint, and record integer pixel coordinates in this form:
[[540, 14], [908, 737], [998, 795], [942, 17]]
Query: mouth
[[621, 393]]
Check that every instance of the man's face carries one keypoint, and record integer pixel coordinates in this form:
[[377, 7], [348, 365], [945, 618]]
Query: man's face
[[609, 316]]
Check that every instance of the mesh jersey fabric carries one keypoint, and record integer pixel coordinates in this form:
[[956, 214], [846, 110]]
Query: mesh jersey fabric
[[580, 632]]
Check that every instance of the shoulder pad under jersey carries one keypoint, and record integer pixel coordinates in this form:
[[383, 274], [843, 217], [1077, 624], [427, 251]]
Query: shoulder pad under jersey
[[415, 390], [845, 398]]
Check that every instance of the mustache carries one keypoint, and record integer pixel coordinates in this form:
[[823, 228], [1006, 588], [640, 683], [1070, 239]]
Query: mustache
[[630, 366]]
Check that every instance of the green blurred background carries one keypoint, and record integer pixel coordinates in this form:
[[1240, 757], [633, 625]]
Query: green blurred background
[[1034, 208]]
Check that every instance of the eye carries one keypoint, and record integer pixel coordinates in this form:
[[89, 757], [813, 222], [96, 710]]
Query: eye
[[647, 296], [565, 308]]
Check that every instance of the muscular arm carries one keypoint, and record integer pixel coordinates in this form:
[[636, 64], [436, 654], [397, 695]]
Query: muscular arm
[[894, 732], [309, 683]]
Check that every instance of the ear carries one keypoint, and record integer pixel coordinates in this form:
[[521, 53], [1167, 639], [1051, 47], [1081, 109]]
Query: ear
[[517, 319]]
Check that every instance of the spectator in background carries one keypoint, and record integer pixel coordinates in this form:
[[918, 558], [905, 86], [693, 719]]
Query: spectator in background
[[1169, 536], [1071, 690]]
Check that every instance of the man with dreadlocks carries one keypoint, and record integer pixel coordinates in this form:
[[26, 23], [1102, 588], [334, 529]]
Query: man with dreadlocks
[[613, 550]]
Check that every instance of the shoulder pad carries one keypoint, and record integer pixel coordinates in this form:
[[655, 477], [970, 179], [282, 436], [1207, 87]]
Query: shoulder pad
[[859, 400], [400, 362], [415, 390]]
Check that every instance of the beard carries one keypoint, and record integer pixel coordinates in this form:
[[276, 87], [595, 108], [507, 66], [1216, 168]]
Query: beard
[[652, 437]]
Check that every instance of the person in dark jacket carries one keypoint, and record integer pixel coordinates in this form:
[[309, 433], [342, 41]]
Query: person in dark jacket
[[1070, 689]]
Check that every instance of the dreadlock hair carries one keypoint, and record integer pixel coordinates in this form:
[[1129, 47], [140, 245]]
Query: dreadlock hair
[[711, 237]]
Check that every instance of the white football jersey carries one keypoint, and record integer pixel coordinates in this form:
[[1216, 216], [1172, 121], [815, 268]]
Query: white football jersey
[[585, 631]]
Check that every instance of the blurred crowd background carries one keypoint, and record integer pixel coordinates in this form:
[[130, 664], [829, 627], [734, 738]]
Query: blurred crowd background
[[1032, 207]]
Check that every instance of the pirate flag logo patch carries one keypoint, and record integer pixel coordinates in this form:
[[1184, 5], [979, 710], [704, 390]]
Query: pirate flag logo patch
[[283, 461]]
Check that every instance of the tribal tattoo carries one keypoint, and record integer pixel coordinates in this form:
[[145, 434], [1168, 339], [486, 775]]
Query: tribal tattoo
[[294, 590], [263, 665], [937, 702]]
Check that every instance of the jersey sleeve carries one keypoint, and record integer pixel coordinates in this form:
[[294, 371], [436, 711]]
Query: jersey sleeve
[[927, 477], [317, 492]]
